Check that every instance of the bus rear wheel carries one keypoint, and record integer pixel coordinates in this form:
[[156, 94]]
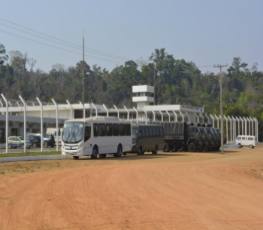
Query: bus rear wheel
[[94, 153], [75, 157], [102, 155], [119, 152]]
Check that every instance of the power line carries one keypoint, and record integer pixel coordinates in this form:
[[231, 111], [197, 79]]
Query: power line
[[55, 46], [67, 42]]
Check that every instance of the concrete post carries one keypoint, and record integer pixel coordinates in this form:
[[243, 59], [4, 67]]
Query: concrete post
[[6, 124], [128, 114], [137, 115], [168, 114], [24, 103], [56, 122], [182, 116], [41, 125], [95, 109], [226, 129], [117, 111], [71, 109], [145, 115], [84, 109], [153, 115], [175, 116], [107, 111]]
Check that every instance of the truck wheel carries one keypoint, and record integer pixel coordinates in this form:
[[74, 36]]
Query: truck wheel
[[140, 151], [155, 150], [191, 147], [102, 155], [174, 149], [199, 149], [94, 153], [205, 149], [167, 147], [75, 157]]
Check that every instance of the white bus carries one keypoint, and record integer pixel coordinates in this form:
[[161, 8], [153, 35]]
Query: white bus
[[96, 136]]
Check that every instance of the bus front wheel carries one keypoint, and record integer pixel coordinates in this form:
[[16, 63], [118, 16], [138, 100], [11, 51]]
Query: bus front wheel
[[75, 157], [94, 153]]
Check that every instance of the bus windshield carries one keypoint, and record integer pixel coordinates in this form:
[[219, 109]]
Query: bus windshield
[[134, 134], [72, 132]]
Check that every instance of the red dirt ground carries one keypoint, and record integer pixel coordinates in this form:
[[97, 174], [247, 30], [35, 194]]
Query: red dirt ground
[[167, 191]]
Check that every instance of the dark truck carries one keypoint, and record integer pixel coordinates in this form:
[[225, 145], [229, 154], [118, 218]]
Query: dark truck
[[182, 136], [147, 138], [217, 131], [205, 138], [214, 144]]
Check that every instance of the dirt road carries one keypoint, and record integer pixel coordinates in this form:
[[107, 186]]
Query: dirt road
[[167, 191]]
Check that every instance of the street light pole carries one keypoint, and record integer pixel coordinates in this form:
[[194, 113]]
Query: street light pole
[[83, 75], [221, 107]]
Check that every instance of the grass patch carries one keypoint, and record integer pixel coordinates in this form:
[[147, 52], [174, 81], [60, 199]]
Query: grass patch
[[30, 154]]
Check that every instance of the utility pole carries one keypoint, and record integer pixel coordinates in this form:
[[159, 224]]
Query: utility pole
[[154, 83], [221, 107], [83, 75]]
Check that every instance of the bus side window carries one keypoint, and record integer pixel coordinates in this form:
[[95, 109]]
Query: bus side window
[[122, 130], [150, 131], [128, 129], [142, 131], [109, 129], [161, 131], [87, 133], [96, 130], [146, 131], [243, 138], [102, 130], [115, 129], [155, 134]]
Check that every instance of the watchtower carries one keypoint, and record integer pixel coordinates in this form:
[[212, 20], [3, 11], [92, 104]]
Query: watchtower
[[143, 95]]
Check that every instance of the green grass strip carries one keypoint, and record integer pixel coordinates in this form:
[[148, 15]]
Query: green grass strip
[[30, 154]]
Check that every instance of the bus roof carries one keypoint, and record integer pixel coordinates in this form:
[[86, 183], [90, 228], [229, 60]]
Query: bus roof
[[99, 118]]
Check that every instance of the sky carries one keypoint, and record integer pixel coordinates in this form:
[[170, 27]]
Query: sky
[[205, 32]]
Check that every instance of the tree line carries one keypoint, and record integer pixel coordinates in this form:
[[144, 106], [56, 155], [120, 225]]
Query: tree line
[[176, 82]]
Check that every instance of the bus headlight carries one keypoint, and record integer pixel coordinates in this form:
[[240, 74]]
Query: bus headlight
[[80, 146]]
